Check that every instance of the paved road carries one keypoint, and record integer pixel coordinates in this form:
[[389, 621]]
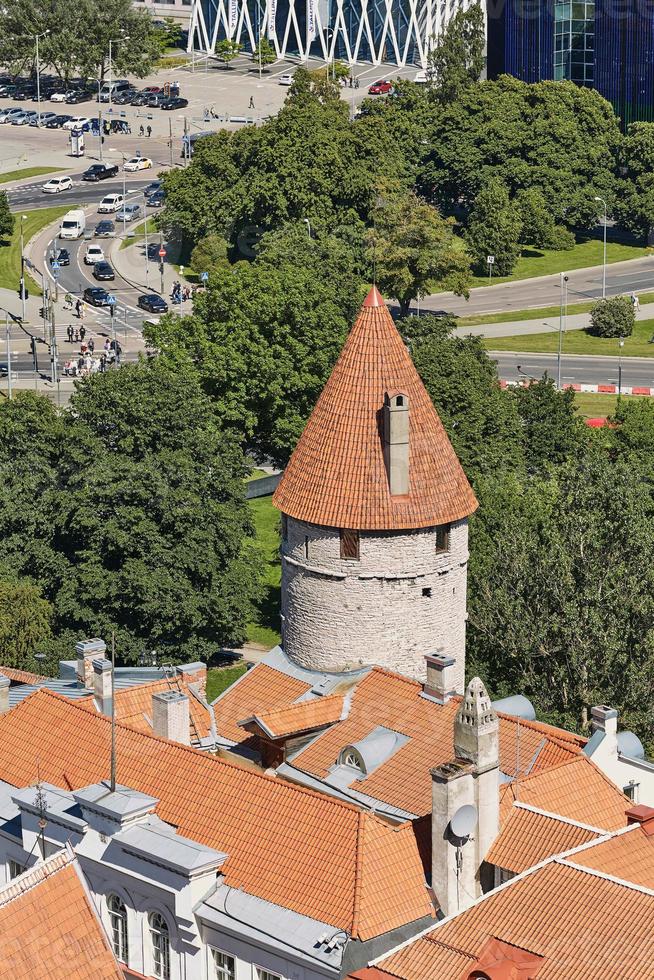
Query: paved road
[[622, 277], [30, 196], [574, 369]]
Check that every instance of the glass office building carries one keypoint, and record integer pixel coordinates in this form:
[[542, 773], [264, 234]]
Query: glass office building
[[604, 44]]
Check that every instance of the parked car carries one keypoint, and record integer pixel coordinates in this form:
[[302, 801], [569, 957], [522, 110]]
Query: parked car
[[44, 120], [141, 98], [62, 256], [128, 212], [96, 296], [58, 122], [100, 171], [93, 254], [7, 115], [77, 122], [111, 89], [102, 271], [286, 79], [59, 96], [381, 87], [73, 98], [21, 118], [105, 229], [57, 184], [110, 203], [174, 102], [137, 163], [152, 89], [152, 303], [124, 98]]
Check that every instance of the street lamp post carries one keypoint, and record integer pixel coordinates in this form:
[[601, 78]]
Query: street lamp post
[[38, 78], [145, 234], [114, 40], [124, 189], [564, 310], [602, 201], [620, 346], [22, 267]]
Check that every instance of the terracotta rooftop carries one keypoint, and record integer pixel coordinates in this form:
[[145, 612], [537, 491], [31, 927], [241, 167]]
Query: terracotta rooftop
[[134, 706], [288, 845], [583, 926], [529, 836], [261, 689], [337, 476], [22, 676], [301, 717], [576, 789], [404, 780], [49, 928], [627, 854]]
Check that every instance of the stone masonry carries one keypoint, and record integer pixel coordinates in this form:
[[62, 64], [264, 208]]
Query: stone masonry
[[400, 600]]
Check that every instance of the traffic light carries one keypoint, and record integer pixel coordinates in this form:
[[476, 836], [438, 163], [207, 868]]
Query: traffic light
[[22, 290]]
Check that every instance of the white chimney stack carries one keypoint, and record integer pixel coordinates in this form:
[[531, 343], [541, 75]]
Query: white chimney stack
[[441, 681], [5, 684], [604, 719], [396, 442], [102, 685], [170, 716], [87, 651]]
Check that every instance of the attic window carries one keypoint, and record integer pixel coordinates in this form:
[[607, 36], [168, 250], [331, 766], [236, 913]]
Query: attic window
[[399, 400], [351, 759], [442, 538], [349, 544]]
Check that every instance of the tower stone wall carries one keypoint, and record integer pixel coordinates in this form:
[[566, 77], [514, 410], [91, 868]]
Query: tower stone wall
[[401, 599]]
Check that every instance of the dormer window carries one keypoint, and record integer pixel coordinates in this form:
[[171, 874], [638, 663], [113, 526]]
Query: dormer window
[[349, 544], [442, 538], [352, 760]]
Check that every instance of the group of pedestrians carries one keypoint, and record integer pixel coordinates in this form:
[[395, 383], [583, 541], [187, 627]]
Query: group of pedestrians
[[179, 293], [87, 363], [147, 132], [77, 335]]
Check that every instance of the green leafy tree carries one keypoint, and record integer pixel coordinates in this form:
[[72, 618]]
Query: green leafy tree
[[6, 217], [209, 253], [494, 228], [227, 50], [634, 201], [414, 250], [264, 53], [480, 418], [457, 60], [25, 623], [552, 430], [266, 335], [612, 317], [536, 220]]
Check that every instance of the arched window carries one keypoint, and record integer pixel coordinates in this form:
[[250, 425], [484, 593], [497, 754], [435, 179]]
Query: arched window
[[351, 759], [159, 945], [118, 919]]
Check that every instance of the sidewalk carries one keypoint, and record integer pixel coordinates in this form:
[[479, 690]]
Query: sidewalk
[[143, 271], [575, 321]]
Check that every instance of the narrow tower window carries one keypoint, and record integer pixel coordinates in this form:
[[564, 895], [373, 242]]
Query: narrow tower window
[[306, 545], [284, 527], [443, 538], [349, 543]]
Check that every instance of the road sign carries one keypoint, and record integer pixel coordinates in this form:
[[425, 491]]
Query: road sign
[[111, 300], [162, 252], [204, 276], [490, 259], [55, 267], [55, 274]]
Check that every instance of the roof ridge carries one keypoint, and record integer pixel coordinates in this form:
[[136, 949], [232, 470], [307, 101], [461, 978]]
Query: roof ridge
[[283, 784], [358, 874], [35, 875], [540, 726], [606, 877], [298, 704], [557, 816]]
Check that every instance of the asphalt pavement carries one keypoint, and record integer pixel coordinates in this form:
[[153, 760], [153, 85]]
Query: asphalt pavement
[[29, 196], [575, 368]]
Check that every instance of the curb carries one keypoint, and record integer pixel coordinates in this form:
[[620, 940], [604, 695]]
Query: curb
[[592, 389]]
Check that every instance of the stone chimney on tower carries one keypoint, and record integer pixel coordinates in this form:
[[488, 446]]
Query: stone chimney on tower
[[87, 651], [396, 442], [471, 780]]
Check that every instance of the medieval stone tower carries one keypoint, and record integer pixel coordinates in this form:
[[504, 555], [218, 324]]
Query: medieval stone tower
[[374, 517]]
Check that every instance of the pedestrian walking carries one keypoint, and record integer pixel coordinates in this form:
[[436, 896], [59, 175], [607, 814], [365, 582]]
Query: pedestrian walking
[[103, 362], [78, 307], [119, 351], [149, 131], [92, 345], [141, 131], [76, 335], [251, 105], [82, 332], [356, 82], [69, 332]]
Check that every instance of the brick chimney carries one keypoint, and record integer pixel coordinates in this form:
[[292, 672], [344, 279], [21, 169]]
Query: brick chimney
[[87, 651], [644, 815], [441, 681], [396, 442], [170, 716], [102, 685], [5, 684]]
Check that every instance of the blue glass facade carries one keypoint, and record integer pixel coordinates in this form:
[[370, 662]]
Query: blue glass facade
[[605, 44]]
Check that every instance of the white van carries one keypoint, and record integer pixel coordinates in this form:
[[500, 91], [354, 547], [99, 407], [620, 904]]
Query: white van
[[73, 224]]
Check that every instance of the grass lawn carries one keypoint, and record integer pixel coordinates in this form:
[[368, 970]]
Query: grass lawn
[[597, 406], [265, 628], [510, 316], [578, 342], [545, 262], [138, 232], [220, 678], [10, 250], [26, 172]]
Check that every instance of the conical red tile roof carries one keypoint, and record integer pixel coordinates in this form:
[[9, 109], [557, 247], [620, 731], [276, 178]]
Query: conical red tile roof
[[337, 477]]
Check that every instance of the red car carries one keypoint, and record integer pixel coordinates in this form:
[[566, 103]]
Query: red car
[[152, 90], [380, 88]]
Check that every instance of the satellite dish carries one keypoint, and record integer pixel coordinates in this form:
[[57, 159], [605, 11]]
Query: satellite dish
[[464, 821]]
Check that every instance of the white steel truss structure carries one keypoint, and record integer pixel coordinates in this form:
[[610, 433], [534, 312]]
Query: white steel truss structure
[[397, 32]]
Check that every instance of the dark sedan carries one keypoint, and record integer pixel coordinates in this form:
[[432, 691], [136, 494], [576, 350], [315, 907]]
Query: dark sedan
[[153, 303], [62, 256], [57, 122], [96, 296], [141, 98], [156, 200], [105, 229], [100, 171], [174, 102], [103, 272], [75, 97], [125, 98]]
